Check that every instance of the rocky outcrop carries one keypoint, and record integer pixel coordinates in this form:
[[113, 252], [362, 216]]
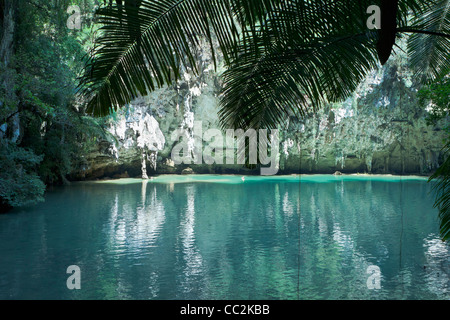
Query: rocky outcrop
[[381, 129]]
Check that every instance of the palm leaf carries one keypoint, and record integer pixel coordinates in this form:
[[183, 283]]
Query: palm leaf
[[292, 81], [146, 48], [442, 191], [303, 55], [430, 51]]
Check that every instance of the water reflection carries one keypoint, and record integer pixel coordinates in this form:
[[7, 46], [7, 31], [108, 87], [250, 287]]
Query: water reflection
[[133, 227], [191, 256], [437, 265], [202, 240]]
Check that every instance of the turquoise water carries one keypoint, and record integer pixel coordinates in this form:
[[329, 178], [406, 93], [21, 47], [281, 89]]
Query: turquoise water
[[219, 237]]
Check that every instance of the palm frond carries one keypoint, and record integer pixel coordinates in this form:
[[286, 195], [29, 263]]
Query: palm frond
[[430, 53], [442, 191], [145, 48], [303, 55], [292, 81]]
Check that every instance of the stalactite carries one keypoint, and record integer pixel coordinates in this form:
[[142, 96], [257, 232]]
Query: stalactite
[[369, 158], [144, 166]]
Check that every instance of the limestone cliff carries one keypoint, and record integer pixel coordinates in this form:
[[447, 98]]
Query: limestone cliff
[[381, 129]]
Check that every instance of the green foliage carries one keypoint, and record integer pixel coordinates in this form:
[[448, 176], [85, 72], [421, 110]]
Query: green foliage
[[429, 51], [139, 50], [47, 58], [49, 62], [55, 134], [19, 183], [283, 57], [8, 102], [436, 96], [442, 190]]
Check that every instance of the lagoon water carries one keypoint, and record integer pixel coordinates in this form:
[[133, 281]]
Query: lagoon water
[[219, 237]]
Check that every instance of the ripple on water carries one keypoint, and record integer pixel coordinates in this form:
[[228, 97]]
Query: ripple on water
[[214, 237]]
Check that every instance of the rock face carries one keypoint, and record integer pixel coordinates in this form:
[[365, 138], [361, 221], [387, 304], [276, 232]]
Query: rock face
[[381, 129]]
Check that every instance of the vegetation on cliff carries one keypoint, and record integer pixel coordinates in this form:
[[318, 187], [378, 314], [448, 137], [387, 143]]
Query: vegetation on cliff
[[436, 97], [43, 134]]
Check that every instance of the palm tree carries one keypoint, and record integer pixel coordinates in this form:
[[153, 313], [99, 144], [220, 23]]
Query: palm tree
[[283, 57]]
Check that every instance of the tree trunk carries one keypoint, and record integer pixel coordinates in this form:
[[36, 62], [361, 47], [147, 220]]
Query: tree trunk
[[9, 101], [7, 42]]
